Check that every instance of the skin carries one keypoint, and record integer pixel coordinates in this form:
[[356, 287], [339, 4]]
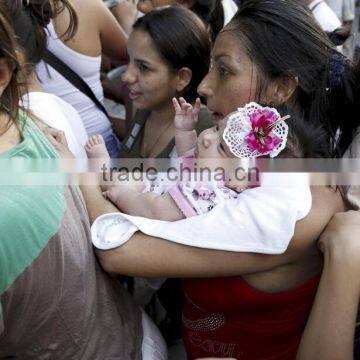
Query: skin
[[232, 79], [150, 82], [211, 144], [152, 86], [330, 329], [9, 134], [98, 34], [98, 31], [125, 13]]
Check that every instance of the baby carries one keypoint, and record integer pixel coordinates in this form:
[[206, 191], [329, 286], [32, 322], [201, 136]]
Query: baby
[[250, 132]]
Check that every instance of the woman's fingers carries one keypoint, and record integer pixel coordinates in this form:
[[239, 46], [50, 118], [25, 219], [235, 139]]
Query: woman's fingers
[[58, 140], [55, 136]]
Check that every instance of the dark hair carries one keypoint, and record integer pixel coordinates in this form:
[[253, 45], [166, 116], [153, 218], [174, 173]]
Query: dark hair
[[30, 17], [181, 39], [283, 39], [305, 140], [212, 13], [10, 97]]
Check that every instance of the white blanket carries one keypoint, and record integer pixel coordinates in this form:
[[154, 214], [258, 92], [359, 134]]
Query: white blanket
[[261, 220]]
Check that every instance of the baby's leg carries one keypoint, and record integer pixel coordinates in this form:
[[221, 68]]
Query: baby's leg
[[96, 151], [95, 148]]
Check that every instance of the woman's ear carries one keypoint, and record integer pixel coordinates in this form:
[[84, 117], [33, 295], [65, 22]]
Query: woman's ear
[[183, 79], [6, 72], [282, 89]]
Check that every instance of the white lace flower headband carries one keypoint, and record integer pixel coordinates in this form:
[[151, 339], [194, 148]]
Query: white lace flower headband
[[254, 131]]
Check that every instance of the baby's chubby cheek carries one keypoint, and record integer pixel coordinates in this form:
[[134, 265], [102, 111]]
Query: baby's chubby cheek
[[237, 175], [210, 164]]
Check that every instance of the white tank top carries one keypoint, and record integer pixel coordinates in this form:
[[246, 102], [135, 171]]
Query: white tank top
[[88, 68]]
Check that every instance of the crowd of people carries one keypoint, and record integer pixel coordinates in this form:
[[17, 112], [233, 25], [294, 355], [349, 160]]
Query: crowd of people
[[242, 271]]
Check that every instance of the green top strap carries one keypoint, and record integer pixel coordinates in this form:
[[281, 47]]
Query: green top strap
[[29, 215]]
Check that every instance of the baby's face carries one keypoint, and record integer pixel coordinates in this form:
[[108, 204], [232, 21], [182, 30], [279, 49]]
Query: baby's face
[[213, 153], [211, 145]]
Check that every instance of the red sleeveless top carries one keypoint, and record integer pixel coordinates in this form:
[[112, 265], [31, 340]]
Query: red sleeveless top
[[226, 317]]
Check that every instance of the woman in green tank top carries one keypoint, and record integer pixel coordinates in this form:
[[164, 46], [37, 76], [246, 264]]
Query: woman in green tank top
[[48, 271]]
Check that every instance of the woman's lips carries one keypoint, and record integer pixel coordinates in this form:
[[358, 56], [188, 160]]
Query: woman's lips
[[133, 95], [216, 117]]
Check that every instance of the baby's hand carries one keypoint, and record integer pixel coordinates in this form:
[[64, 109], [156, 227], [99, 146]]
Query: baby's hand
[[186, 116]]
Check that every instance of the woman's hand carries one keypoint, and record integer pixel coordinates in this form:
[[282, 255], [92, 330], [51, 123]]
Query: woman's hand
[[125, 13], [341, 242], [58, 140]]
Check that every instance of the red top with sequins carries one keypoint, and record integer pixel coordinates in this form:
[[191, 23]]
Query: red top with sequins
[[226, 317]]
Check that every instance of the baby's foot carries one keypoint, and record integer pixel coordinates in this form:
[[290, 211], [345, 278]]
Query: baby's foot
[[95, 148]]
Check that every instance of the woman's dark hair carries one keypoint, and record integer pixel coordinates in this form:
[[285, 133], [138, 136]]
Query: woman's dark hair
[[212, 13], [181, 39], [8, 50], [305, 140], [284, 41], [30, 18]]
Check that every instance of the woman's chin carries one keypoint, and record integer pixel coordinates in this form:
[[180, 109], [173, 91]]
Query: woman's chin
[[139, 105]]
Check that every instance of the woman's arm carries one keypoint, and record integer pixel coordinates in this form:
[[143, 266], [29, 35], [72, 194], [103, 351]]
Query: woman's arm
[[329, 333], [125, 13], [112, 35], [148, 256]]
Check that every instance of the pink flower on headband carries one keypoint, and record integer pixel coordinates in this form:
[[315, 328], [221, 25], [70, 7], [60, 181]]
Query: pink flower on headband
[[254, 131], [262, 117], [262, 138]]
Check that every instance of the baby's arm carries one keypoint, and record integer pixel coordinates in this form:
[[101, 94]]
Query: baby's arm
[[131, 200], [186, 117]]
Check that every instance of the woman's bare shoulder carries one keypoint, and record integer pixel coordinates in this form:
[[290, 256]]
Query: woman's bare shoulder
[[86, 40]]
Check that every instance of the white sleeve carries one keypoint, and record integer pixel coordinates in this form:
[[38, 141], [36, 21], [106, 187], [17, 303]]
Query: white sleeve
[[60, 115], [261, 220]]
